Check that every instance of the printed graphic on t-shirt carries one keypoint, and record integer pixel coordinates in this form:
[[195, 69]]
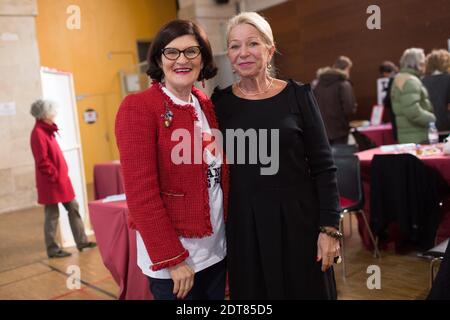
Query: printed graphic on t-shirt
[[214, 173]]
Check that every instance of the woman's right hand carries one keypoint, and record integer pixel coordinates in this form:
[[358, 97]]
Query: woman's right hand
[[183, 279]]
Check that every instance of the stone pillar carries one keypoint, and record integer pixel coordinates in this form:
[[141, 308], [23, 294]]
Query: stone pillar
[[20, 84], [212, 17]]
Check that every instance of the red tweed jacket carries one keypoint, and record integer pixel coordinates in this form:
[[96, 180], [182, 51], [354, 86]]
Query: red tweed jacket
[[165, 200]]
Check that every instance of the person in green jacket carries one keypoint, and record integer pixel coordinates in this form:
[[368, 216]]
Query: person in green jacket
[[412, 108]]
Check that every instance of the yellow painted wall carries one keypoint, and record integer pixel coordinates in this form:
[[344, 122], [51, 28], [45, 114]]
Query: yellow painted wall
[[106, 26]]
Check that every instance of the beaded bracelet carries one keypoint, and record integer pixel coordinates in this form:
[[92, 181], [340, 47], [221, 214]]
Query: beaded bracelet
[[334, 234]]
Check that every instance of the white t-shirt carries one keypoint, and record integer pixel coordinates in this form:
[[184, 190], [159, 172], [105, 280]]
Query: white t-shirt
[[207, 251]]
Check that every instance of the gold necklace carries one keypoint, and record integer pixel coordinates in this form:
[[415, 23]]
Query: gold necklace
[[255, 94]]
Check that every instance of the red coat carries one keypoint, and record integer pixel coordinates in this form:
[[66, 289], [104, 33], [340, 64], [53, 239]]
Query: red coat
[[165, 200], [52, 178]]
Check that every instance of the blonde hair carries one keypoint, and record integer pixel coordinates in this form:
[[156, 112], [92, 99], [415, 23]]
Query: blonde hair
[[438, 60], [256, 20]]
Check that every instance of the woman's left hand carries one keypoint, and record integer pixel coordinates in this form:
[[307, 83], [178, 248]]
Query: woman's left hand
[[327, 248]]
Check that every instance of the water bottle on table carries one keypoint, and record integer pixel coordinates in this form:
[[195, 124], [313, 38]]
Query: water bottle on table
[[433, 134]]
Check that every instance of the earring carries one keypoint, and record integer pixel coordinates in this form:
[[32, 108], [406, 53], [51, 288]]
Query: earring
[[269, 66], [203, 79]]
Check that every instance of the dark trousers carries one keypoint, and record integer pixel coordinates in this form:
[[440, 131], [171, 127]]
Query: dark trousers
[[209, 284], [51, 225]]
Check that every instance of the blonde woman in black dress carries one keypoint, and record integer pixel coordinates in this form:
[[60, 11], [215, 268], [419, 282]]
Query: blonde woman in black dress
[[282, 234]]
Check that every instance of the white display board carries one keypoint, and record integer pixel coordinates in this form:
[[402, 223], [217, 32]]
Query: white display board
[[58, 87], [382, 84]]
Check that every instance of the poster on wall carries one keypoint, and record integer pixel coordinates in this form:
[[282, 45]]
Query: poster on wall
[[90, 116], [8, 108]]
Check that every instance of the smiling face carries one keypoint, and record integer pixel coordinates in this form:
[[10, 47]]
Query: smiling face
[[248, 53], [180, 74]]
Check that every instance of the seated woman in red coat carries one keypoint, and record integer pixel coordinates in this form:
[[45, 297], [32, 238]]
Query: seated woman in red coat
[[176, 205], [52, 180]]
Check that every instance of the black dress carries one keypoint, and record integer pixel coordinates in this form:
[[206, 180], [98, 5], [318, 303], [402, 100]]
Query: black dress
[[273, 220]]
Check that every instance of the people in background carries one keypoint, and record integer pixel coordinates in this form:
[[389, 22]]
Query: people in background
[[412, 109], [177, 206], [52, 180], [437, 82], [276, 248], [388, 69], [336, 100], [316, 79]]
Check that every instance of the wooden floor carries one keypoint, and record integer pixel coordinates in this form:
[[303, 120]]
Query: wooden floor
[[403, 277], [26, 273]]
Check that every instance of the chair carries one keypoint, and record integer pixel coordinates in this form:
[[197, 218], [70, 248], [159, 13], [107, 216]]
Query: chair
[[351, 197], [436, 255], [344, 150]]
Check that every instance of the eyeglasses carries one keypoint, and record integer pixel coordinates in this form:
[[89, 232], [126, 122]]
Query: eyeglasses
[[173, 53]]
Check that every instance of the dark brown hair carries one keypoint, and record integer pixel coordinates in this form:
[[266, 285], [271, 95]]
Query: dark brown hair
[[172, 30], [387, 67]]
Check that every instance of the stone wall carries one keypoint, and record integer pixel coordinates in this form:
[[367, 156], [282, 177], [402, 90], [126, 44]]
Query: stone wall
[[19, 83]]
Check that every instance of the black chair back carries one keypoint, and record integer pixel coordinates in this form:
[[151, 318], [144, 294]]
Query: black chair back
[[349, 178]]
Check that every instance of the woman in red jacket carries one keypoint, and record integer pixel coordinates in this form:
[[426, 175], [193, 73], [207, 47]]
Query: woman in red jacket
[[52, 180], [176, 197]]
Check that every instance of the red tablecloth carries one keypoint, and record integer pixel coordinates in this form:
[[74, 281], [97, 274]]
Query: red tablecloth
[[108, 179], [440, 162], [380, 135], [117, 245]]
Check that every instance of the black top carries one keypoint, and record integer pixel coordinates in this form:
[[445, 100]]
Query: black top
[[305, 157], [273, 219], [438, 87]]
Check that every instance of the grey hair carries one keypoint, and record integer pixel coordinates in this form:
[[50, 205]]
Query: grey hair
[[41, 109], [412, 58]]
